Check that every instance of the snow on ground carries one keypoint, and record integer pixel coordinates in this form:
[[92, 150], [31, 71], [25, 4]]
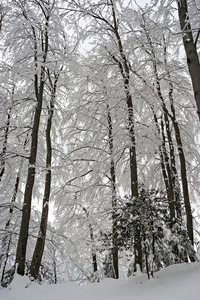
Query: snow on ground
[[178, 282]]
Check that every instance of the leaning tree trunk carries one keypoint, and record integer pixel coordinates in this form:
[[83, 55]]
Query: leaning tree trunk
[[26, 211], [190, 50], [39, 248]]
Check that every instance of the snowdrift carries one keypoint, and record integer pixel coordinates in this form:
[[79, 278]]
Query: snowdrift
[[177, 282]]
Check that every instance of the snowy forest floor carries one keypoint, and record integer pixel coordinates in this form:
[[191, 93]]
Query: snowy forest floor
[[177, 282]]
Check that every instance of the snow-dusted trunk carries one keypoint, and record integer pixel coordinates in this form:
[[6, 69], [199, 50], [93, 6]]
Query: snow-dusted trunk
[[173, 174], [175, 179], [188, 210], [94, 256], [39, 248], [190, 50], [26, 211], [6, 242], [3, 153], [124, 69], [93, 248], [114, 196], [168, 161], [2, 15], [170, 191], [165, 166]]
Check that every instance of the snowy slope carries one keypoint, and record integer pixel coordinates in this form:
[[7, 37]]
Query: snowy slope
[[178, 282]]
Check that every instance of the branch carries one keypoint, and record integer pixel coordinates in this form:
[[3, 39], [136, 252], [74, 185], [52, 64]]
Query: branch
[[197, 37]]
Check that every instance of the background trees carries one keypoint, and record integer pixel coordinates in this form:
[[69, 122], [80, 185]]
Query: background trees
[[97, 118]]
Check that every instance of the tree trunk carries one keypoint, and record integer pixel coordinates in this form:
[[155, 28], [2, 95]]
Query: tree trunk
[[124, 69], [189, 218], [26, 211], [94, 256], [23, 236], [7, 239], [175, 179], [164, 165], [190, 50], [39, 248], [2, 155], [170, 163], [114, 196]]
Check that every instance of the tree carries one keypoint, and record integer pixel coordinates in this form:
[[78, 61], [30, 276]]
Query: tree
[[39, 248], [39, 82]]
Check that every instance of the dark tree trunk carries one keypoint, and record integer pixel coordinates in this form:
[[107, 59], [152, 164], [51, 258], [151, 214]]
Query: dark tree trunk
[[175, 180], [124, 69], [190, 50], [23, 236], [26, 211], [3, 153], [114, 196], [189, 218], [169, 162], [39, 248], [169, 176], [176, 206], [163, 159], [94, 256], [8, 238]]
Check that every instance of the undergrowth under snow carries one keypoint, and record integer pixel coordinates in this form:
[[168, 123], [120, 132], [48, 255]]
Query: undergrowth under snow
[[177, 282]]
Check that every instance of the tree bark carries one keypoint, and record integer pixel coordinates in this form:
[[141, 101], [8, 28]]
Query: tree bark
[[124, 69], [94, 256], [26, 211], [39, 248], [7, 239], [190, 50], [188, 210], [169, 162], [3, 153], [114, 196]]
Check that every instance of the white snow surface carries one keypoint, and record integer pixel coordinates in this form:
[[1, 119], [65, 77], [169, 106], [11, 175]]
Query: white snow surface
[[177, 282]]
